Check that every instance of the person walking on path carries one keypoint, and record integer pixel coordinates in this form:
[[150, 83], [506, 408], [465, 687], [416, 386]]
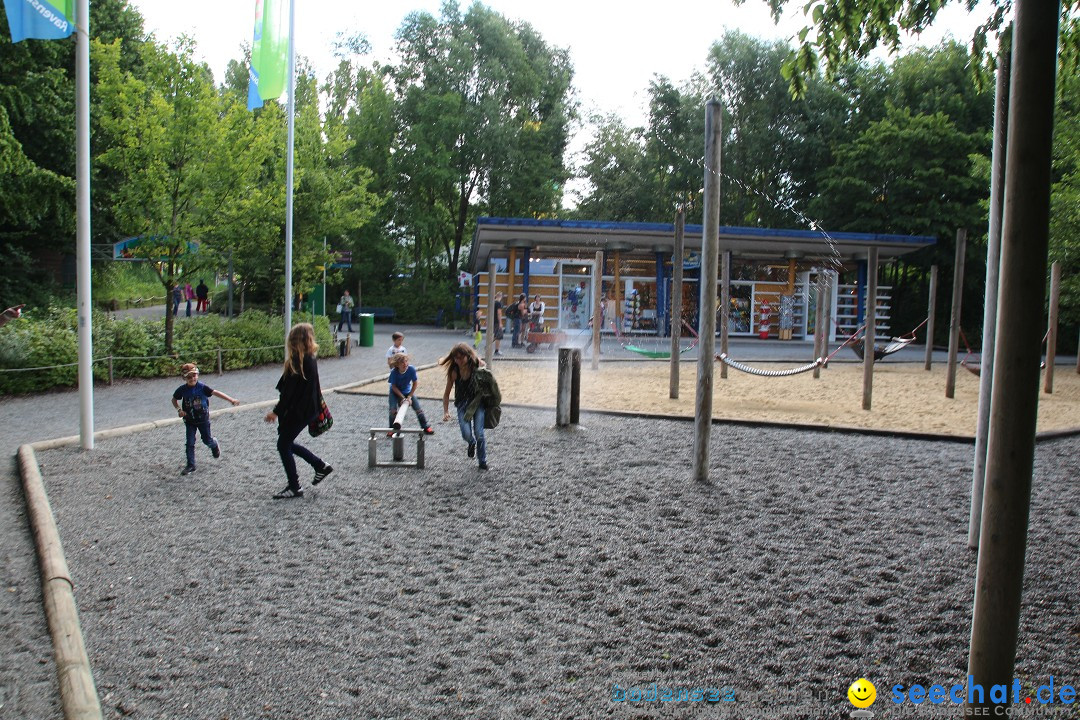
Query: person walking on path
[[297, 406], [472, 385], [396, 349], [192, 403], [403, 385], [345, 307], [177, 296], [203, 294]]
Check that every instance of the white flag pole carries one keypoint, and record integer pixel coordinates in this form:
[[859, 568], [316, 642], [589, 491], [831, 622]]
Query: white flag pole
[[289, 173], [82, 224]]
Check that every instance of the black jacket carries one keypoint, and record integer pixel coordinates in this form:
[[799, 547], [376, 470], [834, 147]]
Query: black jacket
[[299, 401]]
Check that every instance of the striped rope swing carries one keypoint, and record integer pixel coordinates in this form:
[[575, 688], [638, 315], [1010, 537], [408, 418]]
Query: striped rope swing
[[723, 357]]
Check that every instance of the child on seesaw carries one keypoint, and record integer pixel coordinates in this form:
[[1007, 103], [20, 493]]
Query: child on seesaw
[[403, 383]]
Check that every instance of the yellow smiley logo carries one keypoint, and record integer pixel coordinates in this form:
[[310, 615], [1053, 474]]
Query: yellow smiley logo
[[862, 693]]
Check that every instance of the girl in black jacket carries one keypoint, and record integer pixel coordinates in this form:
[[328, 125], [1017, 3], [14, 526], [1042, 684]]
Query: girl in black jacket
[[297, 407]]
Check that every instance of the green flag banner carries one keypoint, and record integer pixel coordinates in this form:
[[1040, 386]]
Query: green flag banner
[[269, 52]]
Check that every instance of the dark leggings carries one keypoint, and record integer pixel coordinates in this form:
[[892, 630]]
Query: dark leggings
[[287, 447]]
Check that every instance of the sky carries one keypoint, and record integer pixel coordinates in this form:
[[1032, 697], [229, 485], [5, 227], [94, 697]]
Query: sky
[[615, 47]]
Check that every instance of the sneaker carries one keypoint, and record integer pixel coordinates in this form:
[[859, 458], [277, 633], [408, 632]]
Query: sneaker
[[320, 475], [429, 430], [288, 494], [390, 434], [497, 353], [483, 465], [472, 449], [188, 470], [216, 451]]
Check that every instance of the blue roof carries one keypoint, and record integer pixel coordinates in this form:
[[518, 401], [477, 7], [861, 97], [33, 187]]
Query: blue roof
[[871, 238]]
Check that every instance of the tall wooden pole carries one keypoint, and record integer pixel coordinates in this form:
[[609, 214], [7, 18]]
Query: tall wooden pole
[[598, 272], [725, 308], [954, 317], [993, 271], [870, 334], [930, 313], [819, 321], [1051, 331], [1013, 410], [710, 251], [490, 335], [676, 302]]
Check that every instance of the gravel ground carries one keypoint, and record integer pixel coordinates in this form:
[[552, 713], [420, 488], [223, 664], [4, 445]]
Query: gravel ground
[[583, 560]]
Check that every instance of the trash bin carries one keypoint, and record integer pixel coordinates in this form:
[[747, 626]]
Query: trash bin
[[367, 330]]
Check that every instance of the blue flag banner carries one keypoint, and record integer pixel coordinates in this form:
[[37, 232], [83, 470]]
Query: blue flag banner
[[40, 19]]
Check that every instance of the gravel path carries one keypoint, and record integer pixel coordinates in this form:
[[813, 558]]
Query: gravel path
[[584, 559]]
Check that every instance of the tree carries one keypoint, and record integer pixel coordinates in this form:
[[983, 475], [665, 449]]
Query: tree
[[37, 137], [483, 121], [168, 147]]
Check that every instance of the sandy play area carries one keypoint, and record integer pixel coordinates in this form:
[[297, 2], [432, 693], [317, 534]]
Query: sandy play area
[[905, 396]]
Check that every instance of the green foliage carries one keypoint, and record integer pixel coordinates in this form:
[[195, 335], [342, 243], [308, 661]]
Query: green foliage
[[48, 338], [122, 284], [416, 303]]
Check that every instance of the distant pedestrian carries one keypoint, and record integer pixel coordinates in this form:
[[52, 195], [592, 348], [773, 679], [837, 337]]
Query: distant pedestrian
[[345, 307], [496, 329], [189, 295], [192, 402], [203, 294], [297, 406], [177, 296], [518, 312]]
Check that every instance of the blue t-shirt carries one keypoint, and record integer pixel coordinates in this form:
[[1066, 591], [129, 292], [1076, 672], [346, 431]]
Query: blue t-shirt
[[194, 401], [403, 381]]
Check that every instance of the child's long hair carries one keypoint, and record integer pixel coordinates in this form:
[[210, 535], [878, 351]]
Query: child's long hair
[[301, 343], [461, 349]]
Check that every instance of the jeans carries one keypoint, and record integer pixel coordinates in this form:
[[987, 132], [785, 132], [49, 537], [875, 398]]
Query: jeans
[[203, 429], [395, 403], [287, 447], [473, 432], [346, 317], [516, 326]]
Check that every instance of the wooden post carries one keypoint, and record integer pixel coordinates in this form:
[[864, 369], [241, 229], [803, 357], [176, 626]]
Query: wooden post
[[725, 304], [819, 321], [110, 370], [954, 318], [870, 334], [1013, 409], [220, 364], [618, 295], [597, 326], [575, 385], [993, 271], [676, 302], [710, 251], [564, 387], [1051, 331], [490, 335], [511, 266], [931, 303]]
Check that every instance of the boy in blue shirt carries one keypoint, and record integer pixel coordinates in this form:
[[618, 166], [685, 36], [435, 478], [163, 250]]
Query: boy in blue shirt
[[403, 384], [192, 402]]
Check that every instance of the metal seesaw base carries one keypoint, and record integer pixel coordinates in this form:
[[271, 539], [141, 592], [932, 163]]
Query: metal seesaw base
[[397, 443]]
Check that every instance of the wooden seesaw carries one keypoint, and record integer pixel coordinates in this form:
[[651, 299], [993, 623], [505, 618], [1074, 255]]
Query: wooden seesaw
[[397, 443]]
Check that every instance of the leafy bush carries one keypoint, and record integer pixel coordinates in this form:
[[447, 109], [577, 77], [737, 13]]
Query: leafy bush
[[48, 339]]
